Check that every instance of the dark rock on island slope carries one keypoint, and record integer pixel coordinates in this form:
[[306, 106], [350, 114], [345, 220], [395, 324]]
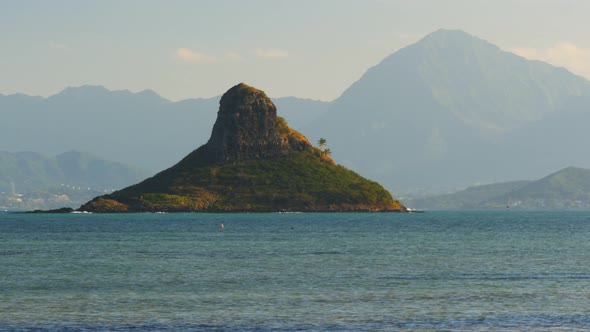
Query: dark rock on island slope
[[253, 161]]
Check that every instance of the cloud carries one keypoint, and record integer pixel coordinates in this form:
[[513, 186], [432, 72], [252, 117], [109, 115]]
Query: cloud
[[192, 56], [189, 55], [269, 53], [564, 54]]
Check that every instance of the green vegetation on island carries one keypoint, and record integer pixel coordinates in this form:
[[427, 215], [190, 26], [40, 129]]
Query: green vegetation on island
[[253, 162]]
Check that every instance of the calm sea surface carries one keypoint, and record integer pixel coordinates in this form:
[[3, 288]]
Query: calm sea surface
[[437, 271]]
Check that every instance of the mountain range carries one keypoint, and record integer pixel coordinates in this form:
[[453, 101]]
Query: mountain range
[[140, 129], [446, 112]]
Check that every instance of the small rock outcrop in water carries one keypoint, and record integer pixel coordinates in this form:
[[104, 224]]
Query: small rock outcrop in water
[[252, 162], [60, 210]]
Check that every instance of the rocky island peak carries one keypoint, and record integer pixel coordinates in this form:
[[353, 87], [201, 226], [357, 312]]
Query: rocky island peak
[[247, 127], [253, 162]]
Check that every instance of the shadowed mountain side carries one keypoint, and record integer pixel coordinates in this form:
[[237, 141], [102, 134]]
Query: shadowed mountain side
[[252, 162], [552, 143]]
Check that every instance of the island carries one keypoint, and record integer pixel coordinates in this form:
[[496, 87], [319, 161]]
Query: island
[[253, 162]]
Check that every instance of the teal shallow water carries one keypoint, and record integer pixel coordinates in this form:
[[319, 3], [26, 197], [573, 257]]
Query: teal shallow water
[[459, 271]]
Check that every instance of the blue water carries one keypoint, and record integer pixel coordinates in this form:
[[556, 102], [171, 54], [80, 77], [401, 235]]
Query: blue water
[[437, 271]]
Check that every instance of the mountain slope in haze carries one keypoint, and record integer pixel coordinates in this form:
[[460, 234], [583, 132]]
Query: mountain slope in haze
[[551, 143], [28, 171], [568, 188], [141, 129], [253, 162], [30, 181], [436, 113], [482, 85], [474, 197]]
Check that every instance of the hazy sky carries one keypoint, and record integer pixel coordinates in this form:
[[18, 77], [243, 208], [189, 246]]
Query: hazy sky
[[305, 48]]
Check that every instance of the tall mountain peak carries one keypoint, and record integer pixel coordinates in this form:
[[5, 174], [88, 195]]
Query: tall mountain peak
[[445, 45], [455, 42], [449, 33], [453, 94]]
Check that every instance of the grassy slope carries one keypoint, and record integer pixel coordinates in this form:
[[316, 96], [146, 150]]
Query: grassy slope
[[300, 181]]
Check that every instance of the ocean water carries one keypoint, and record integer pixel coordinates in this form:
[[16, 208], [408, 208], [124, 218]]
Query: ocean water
[[437, 271]]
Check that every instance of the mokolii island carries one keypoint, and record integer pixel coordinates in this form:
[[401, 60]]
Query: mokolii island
[[253, 162]]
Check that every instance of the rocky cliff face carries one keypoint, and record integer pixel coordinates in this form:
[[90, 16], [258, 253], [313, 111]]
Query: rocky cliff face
[[247, 127]]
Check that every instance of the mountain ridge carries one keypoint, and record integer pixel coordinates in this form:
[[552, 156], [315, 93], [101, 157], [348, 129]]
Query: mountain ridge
[[568, 188]]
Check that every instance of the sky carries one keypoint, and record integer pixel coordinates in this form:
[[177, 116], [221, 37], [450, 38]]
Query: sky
[[306, 48]]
